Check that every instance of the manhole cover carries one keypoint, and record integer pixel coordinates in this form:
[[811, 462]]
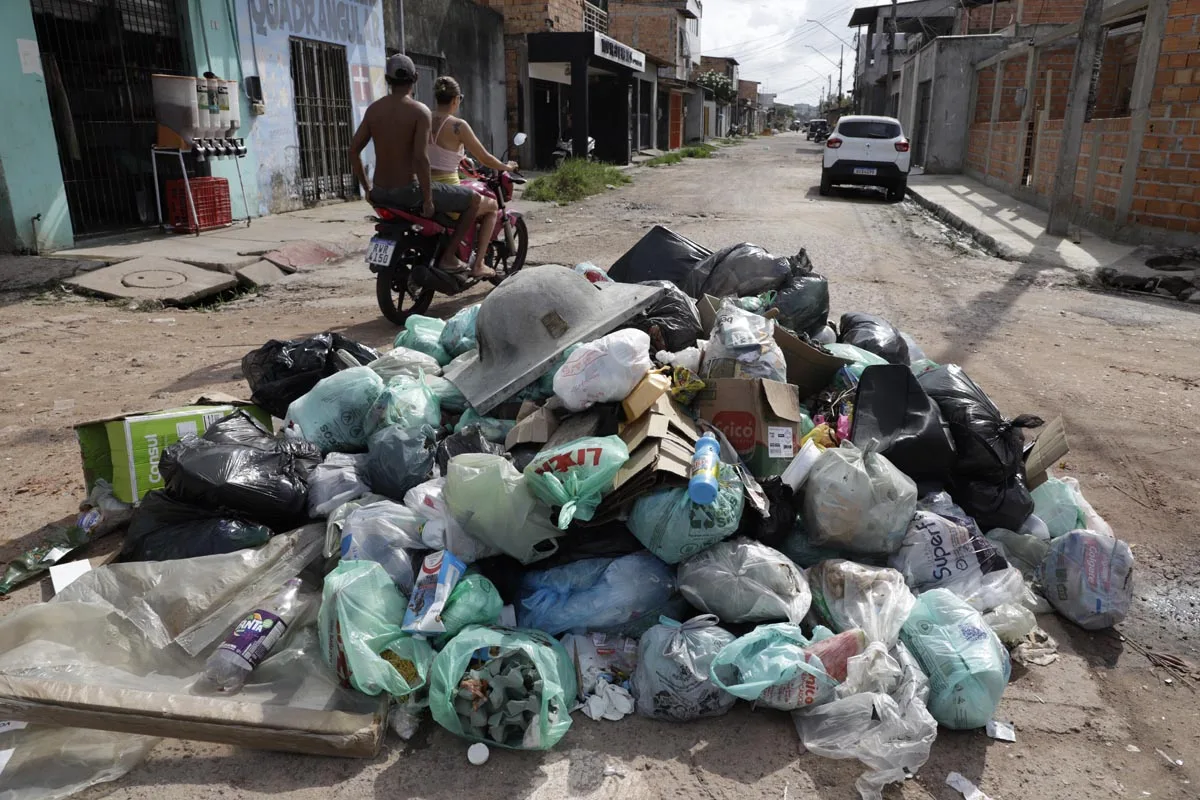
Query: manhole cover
[[153, 279]]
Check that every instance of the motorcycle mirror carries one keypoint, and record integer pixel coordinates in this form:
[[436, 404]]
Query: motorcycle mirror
[[519, 139]]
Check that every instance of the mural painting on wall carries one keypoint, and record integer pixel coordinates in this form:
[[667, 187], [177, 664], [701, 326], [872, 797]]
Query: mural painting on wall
[[343, 21]]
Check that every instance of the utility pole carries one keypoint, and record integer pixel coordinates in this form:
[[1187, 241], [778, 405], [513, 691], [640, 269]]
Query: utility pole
[[1072, 133], [992, 24], [891, 52], [841, 58]]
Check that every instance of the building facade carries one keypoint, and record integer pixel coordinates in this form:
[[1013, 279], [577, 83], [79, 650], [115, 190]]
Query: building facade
[[721, 117], [749, 120]]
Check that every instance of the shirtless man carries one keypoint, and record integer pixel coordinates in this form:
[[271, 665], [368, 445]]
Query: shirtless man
[[399, 126]]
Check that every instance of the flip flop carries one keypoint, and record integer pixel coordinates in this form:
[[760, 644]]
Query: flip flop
[[459, 266], [487, 274]]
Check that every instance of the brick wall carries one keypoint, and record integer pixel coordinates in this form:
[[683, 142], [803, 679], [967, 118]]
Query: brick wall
[[649, 28], [1057, 64], [529, 16], [979, 19], [1117, 66], [983, 94], [977, 143], [1045, 161], [1012, 80], [748, 90], [1165, 193], [1112, 138], [1051, 12]]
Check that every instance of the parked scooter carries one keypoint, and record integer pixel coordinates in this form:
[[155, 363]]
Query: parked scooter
[[566, 149], [406, 252]]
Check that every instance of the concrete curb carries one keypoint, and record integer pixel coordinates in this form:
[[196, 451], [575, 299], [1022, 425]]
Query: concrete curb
[[987, 242]]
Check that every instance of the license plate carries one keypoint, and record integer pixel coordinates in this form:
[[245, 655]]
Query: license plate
[[380, 251], [864, 170]]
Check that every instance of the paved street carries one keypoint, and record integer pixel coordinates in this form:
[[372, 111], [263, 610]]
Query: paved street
[[1121, 370]]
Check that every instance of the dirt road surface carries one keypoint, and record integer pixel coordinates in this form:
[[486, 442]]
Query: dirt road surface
[[1122, 371]]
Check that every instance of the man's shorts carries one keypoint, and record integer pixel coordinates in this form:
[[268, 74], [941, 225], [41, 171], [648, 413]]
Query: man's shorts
[[447, 198]]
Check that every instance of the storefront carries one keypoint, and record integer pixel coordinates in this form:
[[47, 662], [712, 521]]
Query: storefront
[[581, 85]]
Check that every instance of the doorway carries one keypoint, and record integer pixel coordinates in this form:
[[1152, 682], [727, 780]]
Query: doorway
[[324, 120], [97, 58], [924, 102]]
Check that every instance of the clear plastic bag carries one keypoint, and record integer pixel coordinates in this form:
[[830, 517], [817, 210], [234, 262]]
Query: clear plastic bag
[[1011, 622], [450, 399], [891, 733], [575, 476], [744, 581], [858, 501], [968, 666], [594, 594], [493, 503], [406, 403], [340, 478], [441, 530], [848, 595], [474, 601], [399, 459], [403, 362], [424, 335], [494, 430], [333, 415], [672, 527], [386, 533], [672, 679], [937, 551], [604, 370], [1088, 578], [458, 336], [1061, 505], [742, 345]]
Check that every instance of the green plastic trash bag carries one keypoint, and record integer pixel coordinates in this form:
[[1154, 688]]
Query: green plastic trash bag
[[333, 415], [672, 680], [493, 702], [861, 358], [672, 527], [449, 397], [424, 335], [361, 640], [406, 402], [922, 365], [459, 334], [474, 601], [967, 665], [493, 504], [577, 475], [1054, 502], [494, 430]]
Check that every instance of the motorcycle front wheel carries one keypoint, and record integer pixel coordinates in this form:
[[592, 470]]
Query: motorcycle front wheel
[[392, 292]]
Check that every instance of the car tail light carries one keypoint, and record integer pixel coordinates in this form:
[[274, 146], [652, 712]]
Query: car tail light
[[833, 143], [902, 147]]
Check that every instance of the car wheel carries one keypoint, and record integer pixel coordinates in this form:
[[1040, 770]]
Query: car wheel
[[826, 185], [896, 192]]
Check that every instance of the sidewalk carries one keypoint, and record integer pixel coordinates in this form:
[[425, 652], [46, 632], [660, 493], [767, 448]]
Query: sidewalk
[[1008, 227]]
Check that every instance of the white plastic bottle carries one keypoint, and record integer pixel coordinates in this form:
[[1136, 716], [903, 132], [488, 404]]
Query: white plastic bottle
[[253, 639]]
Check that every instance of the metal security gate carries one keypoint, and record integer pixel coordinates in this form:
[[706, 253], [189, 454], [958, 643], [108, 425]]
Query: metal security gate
[[97, 58], [324, 122]]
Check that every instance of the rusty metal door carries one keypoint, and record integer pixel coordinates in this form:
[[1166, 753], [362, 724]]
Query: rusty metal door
[[324, 120]]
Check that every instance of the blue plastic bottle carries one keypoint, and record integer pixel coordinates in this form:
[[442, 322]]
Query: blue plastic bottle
[[702, 488]]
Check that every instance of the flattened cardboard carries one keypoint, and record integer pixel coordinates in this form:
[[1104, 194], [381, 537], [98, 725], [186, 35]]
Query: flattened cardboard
[[535, 425], [760, 418], [1051, 445]]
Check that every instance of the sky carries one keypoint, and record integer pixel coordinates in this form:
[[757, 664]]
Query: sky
[[771, 39]]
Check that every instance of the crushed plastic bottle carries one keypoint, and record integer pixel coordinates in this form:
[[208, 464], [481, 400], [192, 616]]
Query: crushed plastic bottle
[[253, 639]]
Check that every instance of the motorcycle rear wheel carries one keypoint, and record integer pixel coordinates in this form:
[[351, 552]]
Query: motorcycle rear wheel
[[391, 290], [510, 266]]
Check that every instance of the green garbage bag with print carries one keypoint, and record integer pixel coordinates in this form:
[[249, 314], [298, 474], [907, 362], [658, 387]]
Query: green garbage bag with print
[[361, 640], [458, 336], [406, 402], [333, 414], [674, 528], [510, 687], [474, 601], [576, 475], [424, 334]]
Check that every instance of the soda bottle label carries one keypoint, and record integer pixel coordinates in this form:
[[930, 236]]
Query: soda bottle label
[[254, 637], [705, 465]]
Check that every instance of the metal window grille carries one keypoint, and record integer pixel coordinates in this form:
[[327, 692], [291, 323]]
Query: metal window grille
[[324, 120], [594, 18], [97, 58]]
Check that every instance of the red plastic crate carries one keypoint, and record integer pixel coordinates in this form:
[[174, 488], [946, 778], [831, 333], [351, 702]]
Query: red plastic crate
[[211, 196]]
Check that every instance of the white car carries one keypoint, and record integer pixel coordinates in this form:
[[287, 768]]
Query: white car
[[867, 151]]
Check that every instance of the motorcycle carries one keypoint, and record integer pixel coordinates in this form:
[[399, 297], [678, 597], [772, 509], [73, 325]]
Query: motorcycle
[[566, 149], [406, 251]]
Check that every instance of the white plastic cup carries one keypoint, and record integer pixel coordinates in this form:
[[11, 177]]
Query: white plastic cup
[[798, 470]]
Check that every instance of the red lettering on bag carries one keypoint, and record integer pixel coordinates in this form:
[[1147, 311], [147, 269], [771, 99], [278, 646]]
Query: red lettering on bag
[[739, 427]]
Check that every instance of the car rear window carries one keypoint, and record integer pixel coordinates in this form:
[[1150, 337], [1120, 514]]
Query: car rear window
[[860, 129]]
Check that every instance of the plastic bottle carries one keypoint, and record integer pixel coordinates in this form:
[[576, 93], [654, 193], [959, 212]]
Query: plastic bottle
[[253, 639], [702, 487]]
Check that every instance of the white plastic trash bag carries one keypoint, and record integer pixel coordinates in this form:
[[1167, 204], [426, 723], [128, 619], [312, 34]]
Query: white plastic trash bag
[[441, 531], [890, 732], [744, 581], [848, 595], [968, 666], [340, 478], [401, 362], [604, 371], [672, 679], [1061, 505], [937, 551], [1011, 622], [743, 345], [386, 533], [858, 501], [1088, 578]]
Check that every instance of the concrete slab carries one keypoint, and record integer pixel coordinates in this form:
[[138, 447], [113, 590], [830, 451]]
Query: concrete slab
[[298, 255], [29, 272], [1014, 229], [152, 278], [260, 273], [207, 252]]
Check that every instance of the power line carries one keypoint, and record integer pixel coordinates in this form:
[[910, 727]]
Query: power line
[[798, 31]]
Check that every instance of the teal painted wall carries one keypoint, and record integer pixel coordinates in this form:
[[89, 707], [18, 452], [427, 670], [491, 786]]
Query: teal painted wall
[[214, 42], [31, 181]]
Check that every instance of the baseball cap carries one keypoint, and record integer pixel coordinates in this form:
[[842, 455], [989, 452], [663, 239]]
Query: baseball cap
[[401, 68]]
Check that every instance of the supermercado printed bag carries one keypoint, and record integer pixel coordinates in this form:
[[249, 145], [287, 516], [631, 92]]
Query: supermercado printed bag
[[672, 680], [576, 475]]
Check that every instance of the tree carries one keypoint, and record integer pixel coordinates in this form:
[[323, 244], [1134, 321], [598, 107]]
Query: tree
[[720, 85]]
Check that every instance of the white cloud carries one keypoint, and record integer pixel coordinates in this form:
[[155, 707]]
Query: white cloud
[[771, 39]]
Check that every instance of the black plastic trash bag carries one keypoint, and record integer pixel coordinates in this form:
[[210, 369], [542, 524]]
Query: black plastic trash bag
[[783, 505], [280, 372], [673, 321], [469, 440], [892, 411], [661, 254], [875, 335], [989, 446], [269, 486], [994, 504], [803, 303], [241, 428], [164, 529], [738, 270], [399, 458]]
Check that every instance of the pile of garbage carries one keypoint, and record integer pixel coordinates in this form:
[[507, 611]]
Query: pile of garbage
[[658, 489]]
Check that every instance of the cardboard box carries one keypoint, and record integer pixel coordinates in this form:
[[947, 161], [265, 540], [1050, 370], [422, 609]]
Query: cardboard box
[[124, 450], [652, 386], [535, 425], [760, 418]]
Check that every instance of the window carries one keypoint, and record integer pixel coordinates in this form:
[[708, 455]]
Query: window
[[865, 129]]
